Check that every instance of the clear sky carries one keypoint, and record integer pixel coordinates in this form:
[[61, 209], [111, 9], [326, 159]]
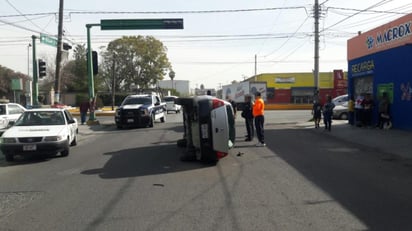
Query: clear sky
[[220, 38]]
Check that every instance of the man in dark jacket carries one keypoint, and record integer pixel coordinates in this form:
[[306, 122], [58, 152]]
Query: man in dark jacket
[[247, 114]]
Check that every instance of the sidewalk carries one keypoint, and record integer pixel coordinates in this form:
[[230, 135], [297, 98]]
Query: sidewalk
[[391, 142]]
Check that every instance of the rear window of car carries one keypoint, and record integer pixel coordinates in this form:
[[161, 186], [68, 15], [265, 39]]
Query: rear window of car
[[168, 99]]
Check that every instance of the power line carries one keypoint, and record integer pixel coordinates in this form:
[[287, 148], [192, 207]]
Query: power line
[[18, 11], [368, 8]]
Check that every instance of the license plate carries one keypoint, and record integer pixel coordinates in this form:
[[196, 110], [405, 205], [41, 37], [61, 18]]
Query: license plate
[[130, 120], [204, 129], [31, 147]]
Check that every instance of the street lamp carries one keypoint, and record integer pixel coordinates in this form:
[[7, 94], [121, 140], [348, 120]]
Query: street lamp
[[172, 76]]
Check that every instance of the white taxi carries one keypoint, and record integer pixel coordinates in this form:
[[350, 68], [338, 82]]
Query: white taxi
[[40, 132]]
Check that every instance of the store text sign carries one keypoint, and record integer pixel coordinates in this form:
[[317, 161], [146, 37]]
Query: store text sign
[[394, 34]]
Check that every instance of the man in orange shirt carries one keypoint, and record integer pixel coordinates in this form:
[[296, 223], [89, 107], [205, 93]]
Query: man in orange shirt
[[258, 114]]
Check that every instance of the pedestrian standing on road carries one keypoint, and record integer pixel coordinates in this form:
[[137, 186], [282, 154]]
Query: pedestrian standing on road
[[317, 112], [258, 114], [84, 108], [367, 104], [328, 113], [233, 103], [247, 114]]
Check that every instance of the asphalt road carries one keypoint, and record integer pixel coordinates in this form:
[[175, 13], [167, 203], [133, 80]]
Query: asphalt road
[[132, 179]]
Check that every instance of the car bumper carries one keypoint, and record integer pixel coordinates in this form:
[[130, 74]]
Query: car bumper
[[35, 148], [133, 121]]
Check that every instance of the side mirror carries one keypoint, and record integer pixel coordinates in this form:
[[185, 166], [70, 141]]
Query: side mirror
[[71, 121]]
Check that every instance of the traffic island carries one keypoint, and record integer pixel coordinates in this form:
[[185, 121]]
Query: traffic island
[[93, 122]]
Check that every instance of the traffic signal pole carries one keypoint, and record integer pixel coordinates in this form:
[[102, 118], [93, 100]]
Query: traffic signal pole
[[35, 85], [92, 115], [123, 24]]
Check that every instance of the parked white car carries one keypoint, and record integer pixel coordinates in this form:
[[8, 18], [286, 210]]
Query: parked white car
[[341, 100], [9, 112], [40, 132], [171, 105]]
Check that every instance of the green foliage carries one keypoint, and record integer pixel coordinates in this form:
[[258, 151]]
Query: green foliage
[[134, 61], [75, 77], [107, 99], [6, 75]]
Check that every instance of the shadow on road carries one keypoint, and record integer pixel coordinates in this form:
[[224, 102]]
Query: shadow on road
[[151, 160], [376, 191]]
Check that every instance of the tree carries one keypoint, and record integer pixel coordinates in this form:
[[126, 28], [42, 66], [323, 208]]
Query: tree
[[74, 73], [6, 75], [134, 61]]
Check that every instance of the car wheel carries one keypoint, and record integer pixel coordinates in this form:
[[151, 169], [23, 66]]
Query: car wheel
[[163, 119], [9, 157], [65, 152], [74, 142], [343, 116], [152, 119], [119, 126]]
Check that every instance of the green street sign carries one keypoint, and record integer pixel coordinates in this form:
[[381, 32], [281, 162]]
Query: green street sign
[[141, 24], [48, 40]]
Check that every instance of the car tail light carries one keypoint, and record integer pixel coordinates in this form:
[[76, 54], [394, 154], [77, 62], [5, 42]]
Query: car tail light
[[217, 103], [220, 155]]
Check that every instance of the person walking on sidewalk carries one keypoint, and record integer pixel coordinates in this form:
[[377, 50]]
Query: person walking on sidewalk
[[328, 113], [84, 108], [367, 104], [383, 116], [247, 114], [351, 110], [317, 112], [258, 113]]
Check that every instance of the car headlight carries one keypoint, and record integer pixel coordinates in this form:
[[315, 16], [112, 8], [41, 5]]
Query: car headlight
[[6, 140], [117, 112], [53, 138], [144, 112]]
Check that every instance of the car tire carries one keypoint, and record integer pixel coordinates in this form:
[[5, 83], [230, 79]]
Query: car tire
[[65, 152], [9, 157], [163, 119], [74, 141], [151, 122], [119, 126], [343, 116]]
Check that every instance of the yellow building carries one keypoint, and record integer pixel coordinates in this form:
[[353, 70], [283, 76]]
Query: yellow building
[[299, 88]]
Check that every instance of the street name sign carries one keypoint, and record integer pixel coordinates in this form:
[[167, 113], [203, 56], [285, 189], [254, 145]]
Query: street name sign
[[141, 24], [48, 40]]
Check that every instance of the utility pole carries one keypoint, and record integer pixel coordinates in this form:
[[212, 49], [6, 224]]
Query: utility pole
[[316, 67], [255, 68], [59, 53]]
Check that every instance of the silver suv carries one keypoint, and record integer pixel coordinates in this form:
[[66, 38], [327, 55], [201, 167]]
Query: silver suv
[[9, 112]]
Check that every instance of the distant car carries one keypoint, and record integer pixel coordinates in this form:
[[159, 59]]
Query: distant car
[[171, 105], [40, 132], [340, 112], [341, 100], [140, 111], [9, 112]]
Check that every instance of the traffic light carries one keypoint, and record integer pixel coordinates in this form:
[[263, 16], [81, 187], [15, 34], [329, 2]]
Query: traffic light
[[42, 68], [66, 46], [95, 62]]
